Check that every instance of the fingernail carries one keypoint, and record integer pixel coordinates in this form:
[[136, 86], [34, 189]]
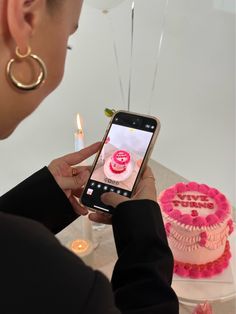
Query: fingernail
[[104, 197]]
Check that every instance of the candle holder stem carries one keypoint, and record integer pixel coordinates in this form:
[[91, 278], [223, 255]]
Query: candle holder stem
[[86, 228]]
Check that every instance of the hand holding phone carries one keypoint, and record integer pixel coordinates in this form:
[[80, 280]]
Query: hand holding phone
[[119, 165], [145, 190]]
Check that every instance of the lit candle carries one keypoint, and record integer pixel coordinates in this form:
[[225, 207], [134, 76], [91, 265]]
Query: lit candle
[[86, 224], [84, 249], [80, 246], [79, 136]]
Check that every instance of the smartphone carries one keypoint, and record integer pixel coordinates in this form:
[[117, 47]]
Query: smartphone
[[118, 166]]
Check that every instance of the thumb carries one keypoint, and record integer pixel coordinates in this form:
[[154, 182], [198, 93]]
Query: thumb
[[113, 199]]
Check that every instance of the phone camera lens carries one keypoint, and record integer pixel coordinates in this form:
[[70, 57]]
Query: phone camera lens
[[137, 121]]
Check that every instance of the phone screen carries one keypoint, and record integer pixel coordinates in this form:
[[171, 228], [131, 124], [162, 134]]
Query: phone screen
[[121, 158]]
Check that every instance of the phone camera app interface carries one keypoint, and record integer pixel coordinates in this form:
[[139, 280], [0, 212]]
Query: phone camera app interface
[[121, 158]]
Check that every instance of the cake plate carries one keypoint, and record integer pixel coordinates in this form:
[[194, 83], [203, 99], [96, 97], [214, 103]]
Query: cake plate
[[221, 287]]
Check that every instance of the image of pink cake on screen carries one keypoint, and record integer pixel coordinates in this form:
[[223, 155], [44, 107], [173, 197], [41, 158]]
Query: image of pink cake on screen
[[122, 156]]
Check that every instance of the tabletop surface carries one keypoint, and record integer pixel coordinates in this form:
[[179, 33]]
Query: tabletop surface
[[104, 255]]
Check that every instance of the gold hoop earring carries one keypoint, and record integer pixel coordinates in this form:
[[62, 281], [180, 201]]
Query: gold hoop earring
[[41, 78], [21, 55]]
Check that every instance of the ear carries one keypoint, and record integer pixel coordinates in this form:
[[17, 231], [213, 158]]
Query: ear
[[23, 17]]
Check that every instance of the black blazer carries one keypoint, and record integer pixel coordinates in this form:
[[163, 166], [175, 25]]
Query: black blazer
[[40, 276]]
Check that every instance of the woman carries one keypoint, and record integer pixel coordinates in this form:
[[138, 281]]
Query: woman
[[37, 274]]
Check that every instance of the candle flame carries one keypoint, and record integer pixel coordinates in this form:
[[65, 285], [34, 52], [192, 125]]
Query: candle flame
[[80, 246], [79, 122]]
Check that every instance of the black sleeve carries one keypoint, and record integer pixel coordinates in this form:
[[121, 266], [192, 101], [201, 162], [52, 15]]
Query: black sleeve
[[40, 276], [143, 273], [40, 198]]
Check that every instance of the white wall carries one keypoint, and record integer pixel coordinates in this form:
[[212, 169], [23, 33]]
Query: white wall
[[194, 94]]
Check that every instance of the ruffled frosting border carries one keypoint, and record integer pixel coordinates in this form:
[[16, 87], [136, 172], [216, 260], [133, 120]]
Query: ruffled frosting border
[[207, 270]]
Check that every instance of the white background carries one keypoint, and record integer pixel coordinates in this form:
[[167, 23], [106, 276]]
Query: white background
[[194, 96]]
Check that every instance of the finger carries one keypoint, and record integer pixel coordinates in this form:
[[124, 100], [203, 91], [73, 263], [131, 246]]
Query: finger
[[77, 207], [148, 174], [146, 192], [146, 187], [75, 182], [77, 157], [148, 179], [78, 192], [79, 169], [113, 199], [100, 218]]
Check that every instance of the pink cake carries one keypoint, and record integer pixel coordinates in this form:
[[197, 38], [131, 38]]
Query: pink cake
[[119, 161], [197, 222]]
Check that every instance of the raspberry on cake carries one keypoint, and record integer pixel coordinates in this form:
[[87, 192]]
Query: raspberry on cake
[[197, 222]]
